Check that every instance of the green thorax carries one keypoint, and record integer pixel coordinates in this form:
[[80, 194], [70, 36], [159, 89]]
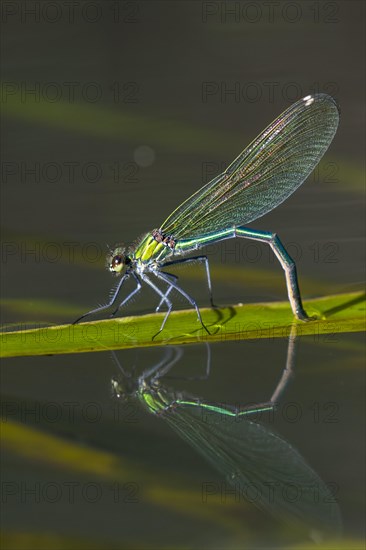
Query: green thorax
[[155, 400], [149, 250]]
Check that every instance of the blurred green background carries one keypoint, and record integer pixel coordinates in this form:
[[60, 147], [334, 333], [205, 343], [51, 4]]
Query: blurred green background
[[113, 112]]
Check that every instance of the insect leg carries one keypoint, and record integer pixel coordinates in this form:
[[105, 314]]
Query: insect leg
[[197, 259], [137, 289], [169, 304], [110, 303], [170, 288], [164, 277], [172, 356]]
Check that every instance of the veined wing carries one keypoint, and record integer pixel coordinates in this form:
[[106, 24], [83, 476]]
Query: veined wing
[[258, 463], [268, 171]]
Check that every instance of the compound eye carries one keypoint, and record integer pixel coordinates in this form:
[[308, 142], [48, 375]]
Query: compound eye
[[117, 260], [117, 263]]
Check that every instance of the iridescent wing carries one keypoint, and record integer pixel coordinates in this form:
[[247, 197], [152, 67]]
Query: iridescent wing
[[259, 464], [268, 171]]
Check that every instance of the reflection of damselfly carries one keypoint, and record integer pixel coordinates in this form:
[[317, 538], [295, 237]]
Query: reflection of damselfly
[[258, 463], [265, 174]]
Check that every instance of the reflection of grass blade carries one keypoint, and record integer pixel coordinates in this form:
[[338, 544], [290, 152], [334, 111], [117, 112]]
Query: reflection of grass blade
[[155, 488], [12, 540], [339, 313], [258, 464], [120, 124], [41, 308], [46, 541], [178, 136]]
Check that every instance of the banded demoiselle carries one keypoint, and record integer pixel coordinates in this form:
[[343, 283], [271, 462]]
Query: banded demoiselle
[[265, 174], [257, 463]]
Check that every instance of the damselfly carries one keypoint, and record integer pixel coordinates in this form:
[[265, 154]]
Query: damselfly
[[265, 174]]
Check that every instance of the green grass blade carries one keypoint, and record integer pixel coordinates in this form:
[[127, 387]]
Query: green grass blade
[[338, 313]]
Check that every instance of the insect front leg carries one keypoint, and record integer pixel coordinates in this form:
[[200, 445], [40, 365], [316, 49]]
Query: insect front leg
[[110, 303], [137, 289]]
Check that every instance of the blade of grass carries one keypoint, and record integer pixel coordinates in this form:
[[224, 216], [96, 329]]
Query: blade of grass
[[335, 314]]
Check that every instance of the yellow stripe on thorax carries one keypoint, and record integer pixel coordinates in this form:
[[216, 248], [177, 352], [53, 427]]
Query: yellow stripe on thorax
[[149, 249]]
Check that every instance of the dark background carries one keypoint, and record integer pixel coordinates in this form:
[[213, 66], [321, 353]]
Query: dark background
[[112, 114]]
